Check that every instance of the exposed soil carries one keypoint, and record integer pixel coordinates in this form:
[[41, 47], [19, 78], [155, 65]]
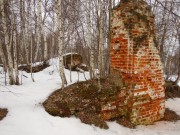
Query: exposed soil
[[3, 113], [170, 116], [124, 122], [35, 69], [172, 90], [84, 101]]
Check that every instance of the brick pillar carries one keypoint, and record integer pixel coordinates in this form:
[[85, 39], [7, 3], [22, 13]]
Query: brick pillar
[[133, 52]]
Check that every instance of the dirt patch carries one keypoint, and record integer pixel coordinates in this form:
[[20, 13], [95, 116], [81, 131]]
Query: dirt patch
[[124, 121], [84, 101], [172, 90], [3, 113], [35, 69], [170, 116]]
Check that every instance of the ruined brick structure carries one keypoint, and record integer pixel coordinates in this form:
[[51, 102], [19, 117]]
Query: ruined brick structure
[[134, 55]]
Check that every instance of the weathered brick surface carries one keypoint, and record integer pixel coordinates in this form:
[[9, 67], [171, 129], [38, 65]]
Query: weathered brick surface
[[133, 52]]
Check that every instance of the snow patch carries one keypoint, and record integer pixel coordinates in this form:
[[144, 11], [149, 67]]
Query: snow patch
[[27, 116]]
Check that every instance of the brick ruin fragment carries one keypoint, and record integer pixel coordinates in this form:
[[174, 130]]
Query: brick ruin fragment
[[135, 59]]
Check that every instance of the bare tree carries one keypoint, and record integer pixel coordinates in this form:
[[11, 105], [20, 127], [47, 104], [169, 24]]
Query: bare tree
[[7, 43], [39, 30], [60, 45], [89, 38], [14, 41], [2, 55], [101, 38]]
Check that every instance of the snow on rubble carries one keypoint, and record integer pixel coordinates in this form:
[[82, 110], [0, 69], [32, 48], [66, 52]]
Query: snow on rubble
[[26, 115]]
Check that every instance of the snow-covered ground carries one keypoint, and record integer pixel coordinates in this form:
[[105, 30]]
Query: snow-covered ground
[[27, 116]]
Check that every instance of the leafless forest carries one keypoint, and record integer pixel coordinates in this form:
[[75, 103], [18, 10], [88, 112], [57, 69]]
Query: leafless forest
[[37, 30]]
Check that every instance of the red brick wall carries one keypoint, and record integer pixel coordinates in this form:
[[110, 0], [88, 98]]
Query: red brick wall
[[133, 52]]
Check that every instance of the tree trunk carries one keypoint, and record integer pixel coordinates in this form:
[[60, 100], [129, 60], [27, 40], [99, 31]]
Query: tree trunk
[[45, 34], [39, 28], [178, 78], [2, 56], [28, 35], [53, 39], [3, 59], [8, 45], [114, 3], [32, 77], [45, 44], [23, 32], [60, 45], [90, 45], [13, 24], [101, 40], [109, 37]]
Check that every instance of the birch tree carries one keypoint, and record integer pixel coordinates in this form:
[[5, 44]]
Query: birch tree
[[109, 36], [178, 36], [14, 39], [60, 45], [39, 28], [70, 36], [23, 42], [101, 39], [2, 55], [45, 33], [45, 44], [53, 31], [29, 37], [90, 45], [7, 44], [1, 43]]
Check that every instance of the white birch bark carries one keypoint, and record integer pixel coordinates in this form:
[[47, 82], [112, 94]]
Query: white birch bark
[[53, 40], [2, 56], [109, 36], [8, 45], [103, 42], [15, 57], [45, 35], [26, 38], [45, 44], [28, 23], [35, 21], [101, 38], [32, 77], [70, 35], [114, 3], [178, 79], [29, 37], [39, 28], [13, 24], [3, 60], [60, 45], [23, 32], [90, 45]]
